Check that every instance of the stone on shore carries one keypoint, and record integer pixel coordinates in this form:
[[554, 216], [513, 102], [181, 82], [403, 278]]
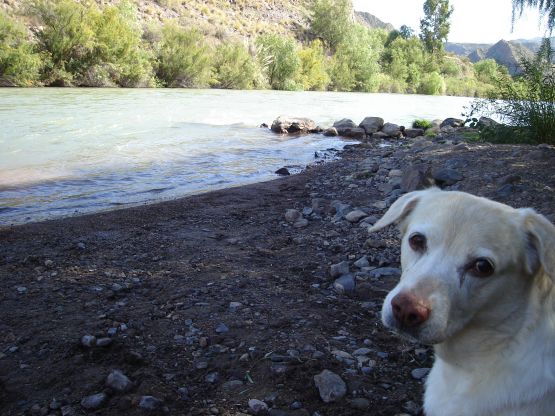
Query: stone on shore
[[371, 124], [452, 122], [118, 381], [288, 125], [94, 401], [392, 130], [339, 269], [330, 386]]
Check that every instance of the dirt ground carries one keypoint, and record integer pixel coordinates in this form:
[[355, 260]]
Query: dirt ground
[[207, 302]]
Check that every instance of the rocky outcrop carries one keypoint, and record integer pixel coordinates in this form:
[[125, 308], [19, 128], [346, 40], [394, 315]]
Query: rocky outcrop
[[508, 54], [371, 124], [477, 55]]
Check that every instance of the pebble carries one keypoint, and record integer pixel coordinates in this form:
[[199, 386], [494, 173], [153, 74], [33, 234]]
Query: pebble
[[292, 215], [88, 341], [355, 216], [345, 284], [419, 373], [103, 342], [360, 403], [150, 402], [94, 401], [300, 223], [330, 386], [222, 328], [362, 262], [385, 271], [21, 289], [362, 351], [339, 269], [212, 378], [257, 406], [118, 381], [234, 306]]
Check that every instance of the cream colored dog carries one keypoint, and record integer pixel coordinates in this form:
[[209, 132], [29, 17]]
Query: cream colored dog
[[477, 283]]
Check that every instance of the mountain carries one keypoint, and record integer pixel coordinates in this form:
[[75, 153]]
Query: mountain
[[372, 21]]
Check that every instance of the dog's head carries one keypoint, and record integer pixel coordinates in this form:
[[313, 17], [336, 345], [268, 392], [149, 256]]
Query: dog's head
[[466, 261]]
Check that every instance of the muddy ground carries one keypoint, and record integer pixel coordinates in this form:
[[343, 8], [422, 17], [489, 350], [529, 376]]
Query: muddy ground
[[207, 302]]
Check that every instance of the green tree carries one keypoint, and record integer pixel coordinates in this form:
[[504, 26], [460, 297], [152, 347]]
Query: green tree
[[406, 32], [19, 64], [279, 59], [435, 26], [403, 61], [331, 21], [183, 58], [355, 65], [545, 7], [234, 67], [313, 75]]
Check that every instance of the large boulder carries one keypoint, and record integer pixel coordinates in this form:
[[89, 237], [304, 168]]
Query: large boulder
[[392, 130], [414, 133], [452, 122], [344, 125], [371, 124], [487, 122], [416, 176], [288, 125]]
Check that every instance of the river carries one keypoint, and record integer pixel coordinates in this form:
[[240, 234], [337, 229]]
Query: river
[[74, 151]]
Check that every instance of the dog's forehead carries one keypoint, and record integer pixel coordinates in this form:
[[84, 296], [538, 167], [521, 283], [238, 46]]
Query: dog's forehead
[[456, 214]]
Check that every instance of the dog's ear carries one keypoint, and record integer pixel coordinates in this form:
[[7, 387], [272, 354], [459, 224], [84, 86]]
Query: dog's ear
[[541, 243], [400, 209]]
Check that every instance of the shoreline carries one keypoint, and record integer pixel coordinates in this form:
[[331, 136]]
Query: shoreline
[[210, 300]]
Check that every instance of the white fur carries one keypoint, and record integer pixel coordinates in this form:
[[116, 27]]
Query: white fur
[[494, 337]]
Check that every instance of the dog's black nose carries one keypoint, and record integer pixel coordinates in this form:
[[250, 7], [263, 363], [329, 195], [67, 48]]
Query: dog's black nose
[[409, 311]]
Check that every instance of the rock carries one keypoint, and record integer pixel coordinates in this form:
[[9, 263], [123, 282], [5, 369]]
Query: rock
[[451, 122], [103, 342], [487, 122], [392, 130], [330, 386], [318, 205], [379, 135], [339, 269], [355, 216], [419, 373], [505, 190], [447, 177], [385, 271], [150, 403], [88, 341], [257, 406], [360, 403], [331, 132], [414, 133], [416, 176], [292, 215], [222, 328], [344, 124], [283, 172], [21, 289], [94, 401], [300, 223], [118, 381], [354, 133], [510, 179], [67, 410], [232, 384], [371, 124], [374, 242], [212, 378], [362, 262], [288, 125], [344, 284], [362, 351], [235, 306]]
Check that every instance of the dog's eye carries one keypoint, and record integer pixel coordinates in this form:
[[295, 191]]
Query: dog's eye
[[417, 242], [482, 267]]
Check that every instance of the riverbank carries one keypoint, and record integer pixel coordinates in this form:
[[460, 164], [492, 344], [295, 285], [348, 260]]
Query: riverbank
[[209, 301]]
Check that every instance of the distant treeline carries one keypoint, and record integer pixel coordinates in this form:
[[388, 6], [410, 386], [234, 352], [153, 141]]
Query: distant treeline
[[79, 44]]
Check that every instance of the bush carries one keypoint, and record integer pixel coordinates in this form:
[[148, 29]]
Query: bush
[[355, 66], [526, 105], [279, 60], [313, 75], [183, 58], [19, 64], [234, 67], [432, 84], [422, 124]]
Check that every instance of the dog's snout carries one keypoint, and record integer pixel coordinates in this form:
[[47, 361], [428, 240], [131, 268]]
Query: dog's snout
[[409, 311]]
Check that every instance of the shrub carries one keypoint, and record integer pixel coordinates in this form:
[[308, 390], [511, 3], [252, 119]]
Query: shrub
[[421, 124], [313, 75], [526, 105], [432, 84], [331, 21], [234, 67], [279, 60], [183, 58], [19, 64]]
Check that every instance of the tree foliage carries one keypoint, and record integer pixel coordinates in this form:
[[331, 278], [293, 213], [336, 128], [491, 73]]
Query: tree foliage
[[545, 7], [331, 21], [19, 64], [280, 61], [234, 67], [435, 26]]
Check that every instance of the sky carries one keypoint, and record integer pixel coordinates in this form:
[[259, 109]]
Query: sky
[[473, 21]]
